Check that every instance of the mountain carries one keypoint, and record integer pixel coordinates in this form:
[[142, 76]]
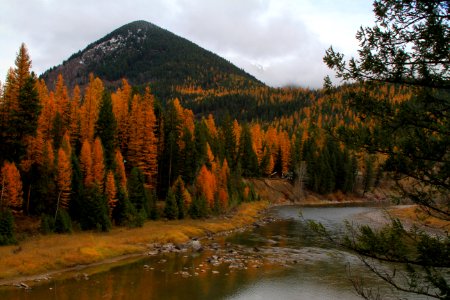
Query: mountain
[[144, 53]]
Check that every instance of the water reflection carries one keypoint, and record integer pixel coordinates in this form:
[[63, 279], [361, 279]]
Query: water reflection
[[280, 260]]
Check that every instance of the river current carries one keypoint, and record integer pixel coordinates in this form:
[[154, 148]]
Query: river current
[[280, 260]]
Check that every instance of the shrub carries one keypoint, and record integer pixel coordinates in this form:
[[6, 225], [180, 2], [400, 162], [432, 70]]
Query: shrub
[[7, 236]]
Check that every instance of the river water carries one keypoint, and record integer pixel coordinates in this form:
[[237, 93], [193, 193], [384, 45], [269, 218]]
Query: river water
[[278, 260]]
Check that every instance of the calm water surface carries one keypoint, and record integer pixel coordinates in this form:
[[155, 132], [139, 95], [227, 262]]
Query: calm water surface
[[281, 260]]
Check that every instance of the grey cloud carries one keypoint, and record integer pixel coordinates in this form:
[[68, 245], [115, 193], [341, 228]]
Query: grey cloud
[[279, 50], [248, 33]]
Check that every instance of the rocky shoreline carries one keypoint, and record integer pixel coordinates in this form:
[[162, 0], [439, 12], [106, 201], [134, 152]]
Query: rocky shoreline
[[235, 256], [84, 271]]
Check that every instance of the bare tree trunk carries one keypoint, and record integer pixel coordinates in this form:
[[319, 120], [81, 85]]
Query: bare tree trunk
[[28, 199], [57, 205], [300, 179]]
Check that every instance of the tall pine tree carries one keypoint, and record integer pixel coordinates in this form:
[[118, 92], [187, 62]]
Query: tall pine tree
[[105, 129]]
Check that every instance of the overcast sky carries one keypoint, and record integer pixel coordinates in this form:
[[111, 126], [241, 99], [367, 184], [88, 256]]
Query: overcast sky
[[280, 42]]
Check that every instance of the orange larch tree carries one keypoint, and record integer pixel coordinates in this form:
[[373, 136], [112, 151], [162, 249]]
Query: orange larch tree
[[186, 120], [86, 162], [23, 66], [134, 131], [211, 125], [285, 151], [15, 80], [10, 93], [209, 155], [63, 178], [42, 90], [148, 163], [271, 141], [11, 184], [66, 145], [237, 133], [186, 116], [143, 144], [120, 101], [49, 155], [270, 164], [120, 170], [98, 164], [206, 185], [74, 116], [257, 139], [110, 192], [48, 112], [35, 152], [90, 108], [62, 101]]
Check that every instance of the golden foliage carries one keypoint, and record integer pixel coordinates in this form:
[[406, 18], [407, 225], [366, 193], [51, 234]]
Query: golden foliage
[[64, 177], [86, 162], [11, 183], [110, 192], [120, 170], [90, 108], [98, 164], [206, 185]]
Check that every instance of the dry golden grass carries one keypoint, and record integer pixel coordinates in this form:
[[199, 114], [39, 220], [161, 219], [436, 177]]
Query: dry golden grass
[[418, 215], [45, 253]]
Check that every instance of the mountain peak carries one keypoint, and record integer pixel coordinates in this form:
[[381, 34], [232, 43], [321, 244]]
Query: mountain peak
[[145, 53]]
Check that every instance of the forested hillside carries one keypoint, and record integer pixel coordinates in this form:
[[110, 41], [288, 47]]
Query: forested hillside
[[106, 156], [147, 54]]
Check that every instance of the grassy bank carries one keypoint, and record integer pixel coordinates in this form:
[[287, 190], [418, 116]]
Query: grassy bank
[[42, 254], [417, 215]]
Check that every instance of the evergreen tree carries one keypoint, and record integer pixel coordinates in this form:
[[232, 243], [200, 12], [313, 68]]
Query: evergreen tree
[[57, 131], [23, 120], [171, 208], [179, 190], [63, 223], [187, 157], [7, 235], [124, 213], [76, 197], [154, 214], [94, 210], [408, 47], [169, 163], [136, 191], [351, 169], [19, 109], [312, 167], [43, 190], [200, 145], [368, 174], [199, 208], [247, 156], [105, 129], [229, 139], [296, 153]]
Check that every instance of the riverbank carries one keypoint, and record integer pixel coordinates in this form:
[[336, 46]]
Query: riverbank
[[282, 191], [41, 256], [52, 254]]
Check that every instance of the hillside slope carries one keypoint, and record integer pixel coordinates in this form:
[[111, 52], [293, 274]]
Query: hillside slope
[[144, 53]]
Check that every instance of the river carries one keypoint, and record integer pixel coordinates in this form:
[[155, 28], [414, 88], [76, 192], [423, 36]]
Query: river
[[282, 259]]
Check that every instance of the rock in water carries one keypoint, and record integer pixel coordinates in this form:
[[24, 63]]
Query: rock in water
[[196, 246]]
